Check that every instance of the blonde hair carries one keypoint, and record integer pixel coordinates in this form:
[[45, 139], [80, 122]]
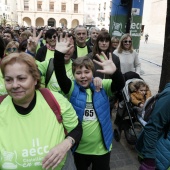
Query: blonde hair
[[114, 39], [120, 47], [10, 44], [22, 58]]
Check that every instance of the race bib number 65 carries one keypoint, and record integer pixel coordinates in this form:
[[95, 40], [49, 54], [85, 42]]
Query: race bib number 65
[[89, 114]]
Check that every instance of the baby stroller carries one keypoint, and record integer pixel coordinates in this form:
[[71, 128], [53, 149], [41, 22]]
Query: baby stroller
[[126, 118]]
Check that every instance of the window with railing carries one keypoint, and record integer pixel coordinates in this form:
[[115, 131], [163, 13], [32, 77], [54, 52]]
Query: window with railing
[[51, 6], [110, 4], [104, 5], [75, 8], [98, 16], [63, 7], [39, 6], [26, 5]]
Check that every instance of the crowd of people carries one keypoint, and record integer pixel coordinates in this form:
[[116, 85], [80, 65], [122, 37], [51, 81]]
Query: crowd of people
[[57, 88]]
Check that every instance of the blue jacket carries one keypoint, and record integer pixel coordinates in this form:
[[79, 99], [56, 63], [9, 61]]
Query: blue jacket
[[151, 143], [101, 106]]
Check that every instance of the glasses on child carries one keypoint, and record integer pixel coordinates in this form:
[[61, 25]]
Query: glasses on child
[[126, 41], [53, 36], [11, 50]]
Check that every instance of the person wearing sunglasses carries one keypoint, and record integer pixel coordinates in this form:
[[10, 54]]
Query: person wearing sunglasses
[[12, 47], [129, 60], [47, 51]]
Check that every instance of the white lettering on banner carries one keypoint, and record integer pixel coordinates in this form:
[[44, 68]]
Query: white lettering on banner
[[135, 26], [135, 34], [89, 112], [137, 50]]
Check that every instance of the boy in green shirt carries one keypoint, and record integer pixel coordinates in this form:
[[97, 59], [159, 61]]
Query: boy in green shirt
[[92, 106]]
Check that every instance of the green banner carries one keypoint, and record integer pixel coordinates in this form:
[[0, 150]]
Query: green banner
[[135, 31]]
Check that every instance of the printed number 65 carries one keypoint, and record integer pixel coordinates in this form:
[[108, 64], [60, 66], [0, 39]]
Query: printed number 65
[[89, 113]]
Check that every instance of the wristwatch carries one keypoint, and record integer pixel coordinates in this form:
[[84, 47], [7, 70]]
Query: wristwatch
[[71, 140]]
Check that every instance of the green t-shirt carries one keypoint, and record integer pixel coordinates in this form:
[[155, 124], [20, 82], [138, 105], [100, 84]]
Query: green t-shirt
[[49, 54], [26, 139], [81, 52], [2, 85], [53, 83], [92, 142]]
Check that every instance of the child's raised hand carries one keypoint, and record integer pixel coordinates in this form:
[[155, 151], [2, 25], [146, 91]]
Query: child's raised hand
[[107, 64], [64, 44]]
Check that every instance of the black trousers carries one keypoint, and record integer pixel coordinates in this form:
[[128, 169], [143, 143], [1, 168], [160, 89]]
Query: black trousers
[[99, 162]]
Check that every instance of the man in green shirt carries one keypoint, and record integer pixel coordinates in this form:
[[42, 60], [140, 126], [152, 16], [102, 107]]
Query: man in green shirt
[[81, 48]]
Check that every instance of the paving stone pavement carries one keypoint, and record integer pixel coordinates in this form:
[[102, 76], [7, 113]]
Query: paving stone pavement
[[121, 158], [123, 155]]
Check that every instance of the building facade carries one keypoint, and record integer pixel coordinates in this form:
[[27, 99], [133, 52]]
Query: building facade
[[103, 15], [70, 13], [54, 13], [8, 12], [154, 19]]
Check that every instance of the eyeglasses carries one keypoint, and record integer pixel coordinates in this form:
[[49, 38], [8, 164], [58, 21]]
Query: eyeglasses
[[12, 50], [125, 41], [53, 36]]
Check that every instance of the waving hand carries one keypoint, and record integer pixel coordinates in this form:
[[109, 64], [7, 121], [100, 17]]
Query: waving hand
[[107, 64]]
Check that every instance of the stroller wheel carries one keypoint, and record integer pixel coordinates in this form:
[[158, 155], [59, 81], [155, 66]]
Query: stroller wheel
[[129, 134], [117, 135]]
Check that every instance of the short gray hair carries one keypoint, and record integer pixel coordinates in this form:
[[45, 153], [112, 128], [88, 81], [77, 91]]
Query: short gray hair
[[93, 28], [79, 26]]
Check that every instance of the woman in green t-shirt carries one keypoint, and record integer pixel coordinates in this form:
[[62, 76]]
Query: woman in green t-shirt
[[38, 140]]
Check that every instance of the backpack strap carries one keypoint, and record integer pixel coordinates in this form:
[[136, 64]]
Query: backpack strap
[[41, 43], [49, 72], [2, 98], [52, 102]]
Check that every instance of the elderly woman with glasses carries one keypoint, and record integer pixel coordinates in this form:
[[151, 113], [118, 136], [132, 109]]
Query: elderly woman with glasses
[[47, 51], [129, 60]]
